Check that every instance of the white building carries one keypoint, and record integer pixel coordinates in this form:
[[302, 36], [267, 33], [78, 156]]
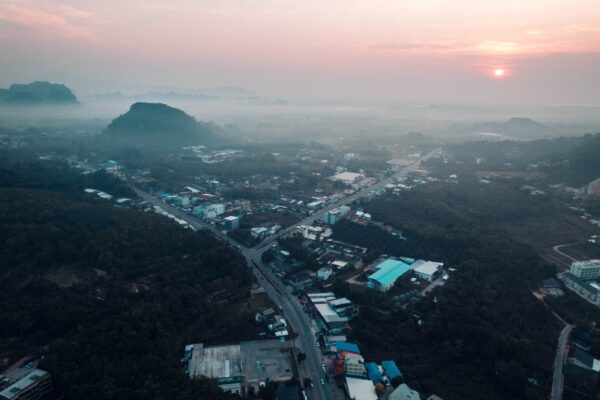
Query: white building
[[360, 389], [426, 269], [589, 269], [349, 178], [404, 392], [259, 232]]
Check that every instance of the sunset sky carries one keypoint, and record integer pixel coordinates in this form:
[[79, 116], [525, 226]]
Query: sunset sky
[[421, 50]]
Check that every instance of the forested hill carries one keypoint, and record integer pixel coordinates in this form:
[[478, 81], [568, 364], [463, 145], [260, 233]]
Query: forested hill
[[109, 296], [573, 160], [37, 93], [158, 124]]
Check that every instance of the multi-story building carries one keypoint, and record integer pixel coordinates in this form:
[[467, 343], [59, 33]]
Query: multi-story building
[[231, 223], [32, 386], [588, 290], [588, 270]]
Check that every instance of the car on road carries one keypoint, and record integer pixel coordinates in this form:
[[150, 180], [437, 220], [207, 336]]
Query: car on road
[[322, 381]]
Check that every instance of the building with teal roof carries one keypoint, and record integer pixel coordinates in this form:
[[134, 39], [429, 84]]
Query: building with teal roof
[[387, 273]]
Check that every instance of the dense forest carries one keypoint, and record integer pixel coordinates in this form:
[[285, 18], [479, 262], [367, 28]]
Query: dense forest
[[483, 335], [109, 296], [573, 160]]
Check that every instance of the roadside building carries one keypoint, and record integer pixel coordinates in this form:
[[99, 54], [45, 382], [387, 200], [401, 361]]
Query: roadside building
[[332, 316], [332, 217], [231, 223], [387, 273], [360, 389], [259, 232], [354, 365], [33, 386], [588, 270], [404, 392], [223, 363], [301, 280], [347, 347]]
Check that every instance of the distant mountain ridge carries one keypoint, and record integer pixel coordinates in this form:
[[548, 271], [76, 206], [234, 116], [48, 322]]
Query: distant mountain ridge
[[37, 93], [516, 127], [158, 123]]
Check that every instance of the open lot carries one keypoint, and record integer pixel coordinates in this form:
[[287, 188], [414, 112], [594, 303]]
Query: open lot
[[267, 359]]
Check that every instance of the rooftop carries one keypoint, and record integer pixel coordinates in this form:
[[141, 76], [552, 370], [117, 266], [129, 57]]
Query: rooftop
[[16, 388], [346, 346], [347, 176], [391, 369], [373, 371], [427, 267], [220, 362], [389, 270], [361, 389], [404, 392]]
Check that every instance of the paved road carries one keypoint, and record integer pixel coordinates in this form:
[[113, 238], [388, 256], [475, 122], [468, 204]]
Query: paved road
[[558, 247], [559, 360], [275, 289]]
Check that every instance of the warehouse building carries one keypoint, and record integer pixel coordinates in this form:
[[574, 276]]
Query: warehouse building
[[223, 363], [426, 270], [387, 273]]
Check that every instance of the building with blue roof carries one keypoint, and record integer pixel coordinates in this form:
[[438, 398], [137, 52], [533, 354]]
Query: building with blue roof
[[387, 273], [391, 369], [346, 346], [373, 372]]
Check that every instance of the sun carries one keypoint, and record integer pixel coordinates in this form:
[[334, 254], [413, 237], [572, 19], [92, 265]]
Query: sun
[[499, 72]]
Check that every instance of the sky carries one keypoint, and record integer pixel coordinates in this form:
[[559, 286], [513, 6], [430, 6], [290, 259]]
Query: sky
[[544, 51]]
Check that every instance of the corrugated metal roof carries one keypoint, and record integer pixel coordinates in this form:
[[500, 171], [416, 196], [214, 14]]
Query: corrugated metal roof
[[391, 369], [373, 371], [388, 271], [346, 346]]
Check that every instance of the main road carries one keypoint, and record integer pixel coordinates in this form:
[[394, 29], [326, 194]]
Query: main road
[[559, 361], [276, 290]]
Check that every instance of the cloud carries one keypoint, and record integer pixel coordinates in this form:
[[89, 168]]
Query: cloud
[[56, 21]]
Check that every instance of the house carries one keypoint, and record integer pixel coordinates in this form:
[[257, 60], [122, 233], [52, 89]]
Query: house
[[387, 273], [404, 392], [301, 280]]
